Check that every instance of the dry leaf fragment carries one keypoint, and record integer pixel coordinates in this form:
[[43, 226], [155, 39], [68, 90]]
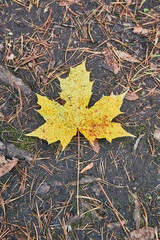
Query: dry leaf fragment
[[128, 2], [6, 165], [43, 79], [140, 30], [113, 225], [11, 57], [157, 134], [1, 46], [154, 67], [88, 167], [126, 56], [62, 122], [96, 189], [43, 189], [112, 63], [131, 96], [2, 116], [145, 233], [110, 60], [67, 3], [95, 146], [136, 212], [85, 180]]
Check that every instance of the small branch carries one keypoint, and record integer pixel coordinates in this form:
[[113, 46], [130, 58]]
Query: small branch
[[9, 79], [12, 151]]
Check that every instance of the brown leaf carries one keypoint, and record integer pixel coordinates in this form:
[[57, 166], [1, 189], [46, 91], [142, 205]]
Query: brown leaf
[[145, 233], [113, 225], [67, 3], [43, 79], [87, 180], [126, 56], [140, 30], [136, 212], [137, 208], [95, 146], [88, 167], [61, 101], [110, 61], [6, 165], [154, 67], [131, 96]]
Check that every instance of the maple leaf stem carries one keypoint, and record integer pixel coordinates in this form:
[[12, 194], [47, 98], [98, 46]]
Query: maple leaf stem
[[78, 171]]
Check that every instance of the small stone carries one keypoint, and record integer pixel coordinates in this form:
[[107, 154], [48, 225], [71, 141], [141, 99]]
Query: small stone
[[11, 57], [157, 134], [44, 188]]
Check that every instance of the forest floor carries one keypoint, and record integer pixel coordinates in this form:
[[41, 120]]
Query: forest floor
[[119, 197]]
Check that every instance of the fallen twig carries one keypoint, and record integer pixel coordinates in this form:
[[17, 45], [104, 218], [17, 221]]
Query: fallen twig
[[12, 151], [9, 79]]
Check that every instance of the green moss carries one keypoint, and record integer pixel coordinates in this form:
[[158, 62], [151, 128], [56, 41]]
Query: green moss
[[131, 200], [141, 129], [87, 217], [146, 10], [74, 225], [16, 137], [122, 237], [147, 198]]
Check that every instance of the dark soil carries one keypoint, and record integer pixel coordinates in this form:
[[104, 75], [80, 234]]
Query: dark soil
[[40, 42]]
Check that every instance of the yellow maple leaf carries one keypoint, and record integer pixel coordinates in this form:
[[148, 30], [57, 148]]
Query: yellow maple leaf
[[62, 122]]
